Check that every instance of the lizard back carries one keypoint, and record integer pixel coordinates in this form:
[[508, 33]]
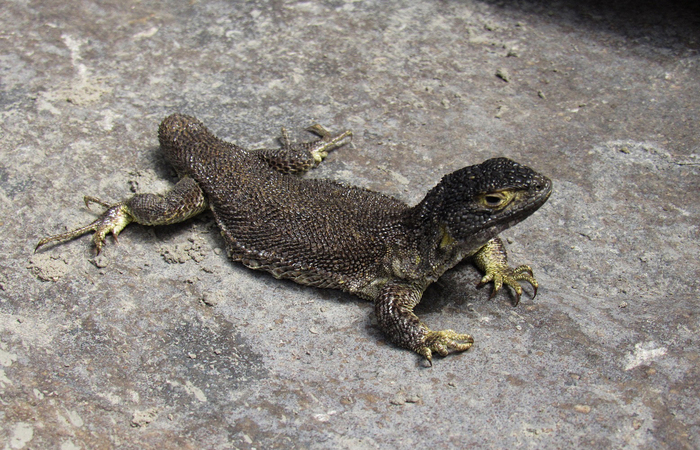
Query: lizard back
[[317, 232]]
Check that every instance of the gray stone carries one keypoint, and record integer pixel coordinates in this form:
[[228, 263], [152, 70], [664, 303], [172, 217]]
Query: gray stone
[[122, 352]]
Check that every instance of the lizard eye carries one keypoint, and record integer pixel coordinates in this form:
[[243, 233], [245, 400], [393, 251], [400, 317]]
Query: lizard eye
[[493, 200], [496, 200]]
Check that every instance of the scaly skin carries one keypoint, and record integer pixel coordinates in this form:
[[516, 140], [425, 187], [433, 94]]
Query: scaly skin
[[325, 234]]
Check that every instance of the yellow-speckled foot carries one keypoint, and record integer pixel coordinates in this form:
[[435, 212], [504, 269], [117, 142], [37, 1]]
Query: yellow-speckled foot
[[509, 277], [113, 220], [493, 260], [442, 342], [327, 142]]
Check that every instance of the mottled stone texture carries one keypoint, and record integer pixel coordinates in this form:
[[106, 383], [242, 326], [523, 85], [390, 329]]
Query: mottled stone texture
[[162, 342]]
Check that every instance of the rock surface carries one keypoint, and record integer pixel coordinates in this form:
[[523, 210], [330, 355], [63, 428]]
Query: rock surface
[[161, 342]]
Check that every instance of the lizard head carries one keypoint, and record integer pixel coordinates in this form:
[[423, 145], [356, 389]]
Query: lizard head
[[477, 202]]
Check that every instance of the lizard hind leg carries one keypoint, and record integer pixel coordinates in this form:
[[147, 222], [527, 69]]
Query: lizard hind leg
[[301, 157], [394, 310], [183, 201]]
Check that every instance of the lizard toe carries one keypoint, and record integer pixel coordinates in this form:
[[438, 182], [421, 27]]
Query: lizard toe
[[113, 221], [508, 276], [442, 342]]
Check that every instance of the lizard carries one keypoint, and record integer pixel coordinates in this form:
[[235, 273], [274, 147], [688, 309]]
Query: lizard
[[330, 235]]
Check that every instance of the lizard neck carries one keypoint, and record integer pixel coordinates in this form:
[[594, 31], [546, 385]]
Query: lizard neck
[[438, 250]]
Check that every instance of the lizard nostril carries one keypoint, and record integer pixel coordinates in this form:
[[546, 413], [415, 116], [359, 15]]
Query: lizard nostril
[[539, 184]]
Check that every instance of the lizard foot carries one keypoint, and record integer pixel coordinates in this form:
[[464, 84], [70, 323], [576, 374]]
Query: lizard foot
[[113, 220], [503, 274], [327, 142], [442, 342]]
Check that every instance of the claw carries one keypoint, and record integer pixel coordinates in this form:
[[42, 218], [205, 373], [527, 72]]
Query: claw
[[516, 301], [524, 273], [427, 354], [492, 259], [509, 277], [441, 342]]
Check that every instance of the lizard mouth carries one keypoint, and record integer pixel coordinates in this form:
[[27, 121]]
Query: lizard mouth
[[539, 192]]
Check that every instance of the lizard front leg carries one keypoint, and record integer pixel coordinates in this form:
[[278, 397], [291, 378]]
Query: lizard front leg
[[492, 259], [394, 310], [183, 201]]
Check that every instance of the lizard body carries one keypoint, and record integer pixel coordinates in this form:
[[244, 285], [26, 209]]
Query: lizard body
[[326, 234]]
